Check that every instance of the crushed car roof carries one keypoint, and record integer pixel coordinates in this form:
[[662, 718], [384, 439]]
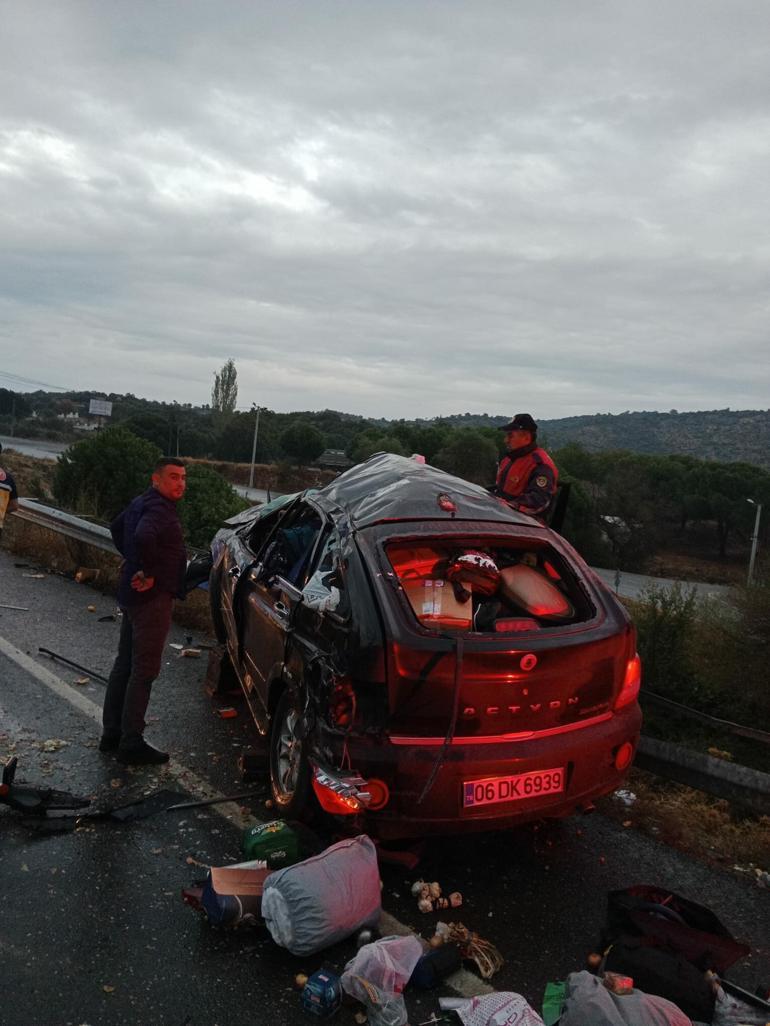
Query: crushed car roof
[[389, 487]]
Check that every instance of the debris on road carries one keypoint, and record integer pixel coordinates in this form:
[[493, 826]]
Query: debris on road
[[86, 573], [37, 801], [70, 662], [625, 796], [378, 974], [316, 903], [322, 993], [501, 1008], [53, 744], [473, 948], [430, 899], [665, 943], [281, 843], [232, 895], [435, 965], [20, 609]]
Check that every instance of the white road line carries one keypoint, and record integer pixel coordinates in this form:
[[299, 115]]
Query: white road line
[[463, 982]]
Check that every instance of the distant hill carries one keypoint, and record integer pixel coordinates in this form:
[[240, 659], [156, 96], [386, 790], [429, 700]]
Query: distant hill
[[728, 435], [724, 435]]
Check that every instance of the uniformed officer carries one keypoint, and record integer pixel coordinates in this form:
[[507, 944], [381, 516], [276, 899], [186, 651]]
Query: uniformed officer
[[8, 495], [526, 475]]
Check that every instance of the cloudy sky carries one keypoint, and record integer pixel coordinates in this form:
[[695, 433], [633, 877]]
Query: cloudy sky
[[389, 208]]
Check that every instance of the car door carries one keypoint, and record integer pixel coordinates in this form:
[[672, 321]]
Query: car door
[[240, 553], [268, 598]]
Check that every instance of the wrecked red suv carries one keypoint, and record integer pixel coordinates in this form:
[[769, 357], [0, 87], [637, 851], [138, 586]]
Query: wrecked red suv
[[423, 657]]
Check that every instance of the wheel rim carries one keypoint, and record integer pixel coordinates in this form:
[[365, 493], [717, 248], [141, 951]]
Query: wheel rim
[[288, 756]]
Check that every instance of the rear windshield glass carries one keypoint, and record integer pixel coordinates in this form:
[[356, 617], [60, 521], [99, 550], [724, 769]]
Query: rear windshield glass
[[491, 588]]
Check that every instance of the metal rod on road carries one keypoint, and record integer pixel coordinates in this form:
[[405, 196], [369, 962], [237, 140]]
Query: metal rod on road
[[213, 801], [75, 666]]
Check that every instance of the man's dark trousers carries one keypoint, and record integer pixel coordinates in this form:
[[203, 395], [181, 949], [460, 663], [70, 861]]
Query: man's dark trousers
[[143, 636]]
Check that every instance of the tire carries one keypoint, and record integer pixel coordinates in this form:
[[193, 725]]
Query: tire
[[289, 766]]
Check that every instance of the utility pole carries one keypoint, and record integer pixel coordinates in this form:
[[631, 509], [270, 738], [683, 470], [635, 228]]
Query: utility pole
[[754, 540], [254, 447]]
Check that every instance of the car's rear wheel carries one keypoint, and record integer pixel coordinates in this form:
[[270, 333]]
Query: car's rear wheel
[[289, 766]]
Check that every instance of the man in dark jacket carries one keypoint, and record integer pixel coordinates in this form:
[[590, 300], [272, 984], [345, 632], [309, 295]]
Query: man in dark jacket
[[148, 535], [526, 475]]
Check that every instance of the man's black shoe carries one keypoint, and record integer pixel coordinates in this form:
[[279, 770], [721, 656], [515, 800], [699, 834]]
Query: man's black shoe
[[142, 755], [109, 743]]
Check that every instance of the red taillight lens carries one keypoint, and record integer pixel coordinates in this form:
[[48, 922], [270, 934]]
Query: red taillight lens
[[631, 682], [334, 803]]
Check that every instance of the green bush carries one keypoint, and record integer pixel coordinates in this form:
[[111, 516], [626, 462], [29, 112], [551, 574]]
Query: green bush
[[100, 475], [208, 501], [665, 620]]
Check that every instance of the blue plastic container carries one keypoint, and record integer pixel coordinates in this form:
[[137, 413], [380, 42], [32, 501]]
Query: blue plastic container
[[322, 994]]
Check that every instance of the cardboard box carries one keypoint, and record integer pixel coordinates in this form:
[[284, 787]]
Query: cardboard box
[[435, 605]]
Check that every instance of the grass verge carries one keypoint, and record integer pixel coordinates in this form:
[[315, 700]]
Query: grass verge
[[703, 827]]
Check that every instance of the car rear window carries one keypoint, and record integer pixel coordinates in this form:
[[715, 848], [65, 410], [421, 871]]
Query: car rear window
[[500, 587]]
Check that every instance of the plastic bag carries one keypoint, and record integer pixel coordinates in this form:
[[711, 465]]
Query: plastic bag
[[589, 1003], [377, 977], [502, 1008], [324, 899]]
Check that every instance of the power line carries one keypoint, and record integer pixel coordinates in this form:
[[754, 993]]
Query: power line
[[18, 380]]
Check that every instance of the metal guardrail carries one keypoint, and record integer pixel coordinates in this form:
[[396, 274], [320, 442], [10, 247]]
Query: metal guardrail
[[38, 513], [70, 526]]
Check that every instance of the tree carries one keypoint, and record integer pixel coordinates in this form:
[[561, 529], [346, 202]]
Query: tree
[[224, 394], [469, 454], [303, 442], [235, 440], [11, 403], [101, 474], [371, 441], [150, 426], [208, 501]]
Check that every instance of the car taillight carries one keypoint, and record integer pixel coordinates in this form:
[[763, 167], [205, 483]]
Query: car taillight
[[333, 802], [632, 681]]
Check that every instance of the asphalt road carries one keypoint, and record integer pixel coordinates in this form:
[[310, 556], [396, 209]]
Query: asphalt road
[[92, 926]]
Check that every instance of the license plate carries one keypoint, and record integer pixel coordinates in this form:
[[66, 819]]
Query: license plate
[[511, 789]]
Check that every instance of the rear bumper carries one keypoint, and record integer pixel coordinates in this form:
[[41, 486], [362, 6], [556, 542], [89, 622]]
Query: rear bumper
[[586, 754]]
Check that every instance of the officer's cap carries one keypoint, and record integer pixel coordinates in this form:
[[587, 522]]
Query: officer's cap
[[521, 422]]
